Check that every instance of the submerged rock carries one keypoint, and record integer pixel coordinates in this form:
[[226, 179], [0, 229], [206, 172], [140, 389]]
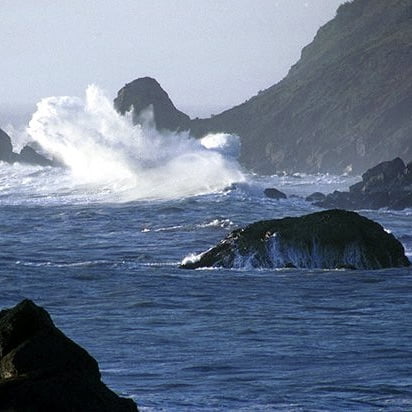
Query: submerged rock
[[315, 197], [327, 240], [389, 184], [43, 370], [273, 193]]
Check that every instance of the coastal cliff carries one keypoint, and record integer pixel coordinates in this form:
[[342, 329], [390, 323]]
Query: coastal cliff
[[346, 105]]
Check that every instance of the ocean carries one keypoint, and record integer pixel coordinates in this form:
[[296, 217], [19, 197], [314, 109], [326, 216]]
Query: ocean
[[98, 244]]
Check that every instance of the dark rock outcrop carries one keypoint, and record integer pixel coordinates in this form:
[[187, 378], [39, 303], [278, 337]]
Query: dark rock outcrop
[[386, 176], [328, 240], [6, 148], [389, 184], [43, 370], [273, 193], [142, 93], [30, 156], [27, 155]]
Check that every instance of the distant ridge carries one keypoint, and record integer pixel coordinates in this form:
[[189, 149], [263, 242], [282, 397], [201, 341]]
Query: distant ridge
[[346, 105]]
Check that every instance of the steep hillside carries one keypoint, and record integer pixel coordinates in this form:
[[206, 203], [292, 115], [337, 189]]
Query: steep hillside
[[346, 104]]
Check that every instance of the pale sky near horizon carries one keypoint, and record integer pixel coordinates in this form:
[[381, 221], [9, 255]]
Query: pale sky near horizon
[[207, 54]]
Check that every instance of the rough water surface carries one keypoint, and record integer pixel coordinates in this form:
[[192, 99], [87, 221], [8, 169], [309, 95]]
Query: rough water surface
[[99, 248], [210, 339]]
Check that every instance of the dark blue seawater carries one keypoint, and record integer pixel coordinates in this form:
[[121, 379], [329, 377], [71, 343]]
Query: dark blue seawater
[[210, 340]]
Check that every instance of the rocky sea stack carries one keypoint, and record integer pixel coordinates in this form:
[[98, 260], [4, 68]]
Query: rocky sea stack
[[43, 370], [326, 240], [146, 92]]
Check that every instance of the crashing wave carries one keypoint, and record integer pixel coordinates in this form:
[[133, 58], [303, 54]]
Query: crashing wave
[[106, 152]]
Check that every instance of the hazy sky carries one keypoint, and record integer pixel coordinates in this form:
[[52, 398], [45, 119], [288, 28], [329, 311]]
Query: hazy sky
[[207, 54]]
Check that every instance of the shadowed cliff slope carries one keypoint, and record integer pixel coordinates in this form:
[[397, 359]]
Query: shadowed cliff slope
[[347, 103]]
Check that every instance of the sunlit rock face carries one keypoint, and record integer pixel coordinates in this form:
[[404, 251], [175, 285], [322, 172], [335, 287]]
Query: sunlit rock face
[[332, 239]]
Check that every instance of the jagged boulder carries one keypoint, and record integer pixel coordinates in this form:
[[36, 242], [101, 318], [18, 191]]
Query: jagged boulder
[[327, 240], [146, 92], [389, 184], [43, 370]]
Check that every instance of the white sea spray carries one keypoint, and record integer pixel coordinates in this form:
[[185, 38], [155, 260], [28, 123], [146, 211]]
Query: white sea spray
[[106, 152], [192, 258]]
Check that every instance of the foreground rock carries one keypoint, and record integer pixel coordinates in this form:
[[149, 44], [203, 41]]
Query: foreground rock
[[43, 370], [327, 240], [146, 92], [389, 184]]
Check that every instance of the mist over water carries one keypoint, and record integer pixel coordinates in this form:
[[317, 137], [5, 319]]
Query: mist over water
[[106, 152]]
